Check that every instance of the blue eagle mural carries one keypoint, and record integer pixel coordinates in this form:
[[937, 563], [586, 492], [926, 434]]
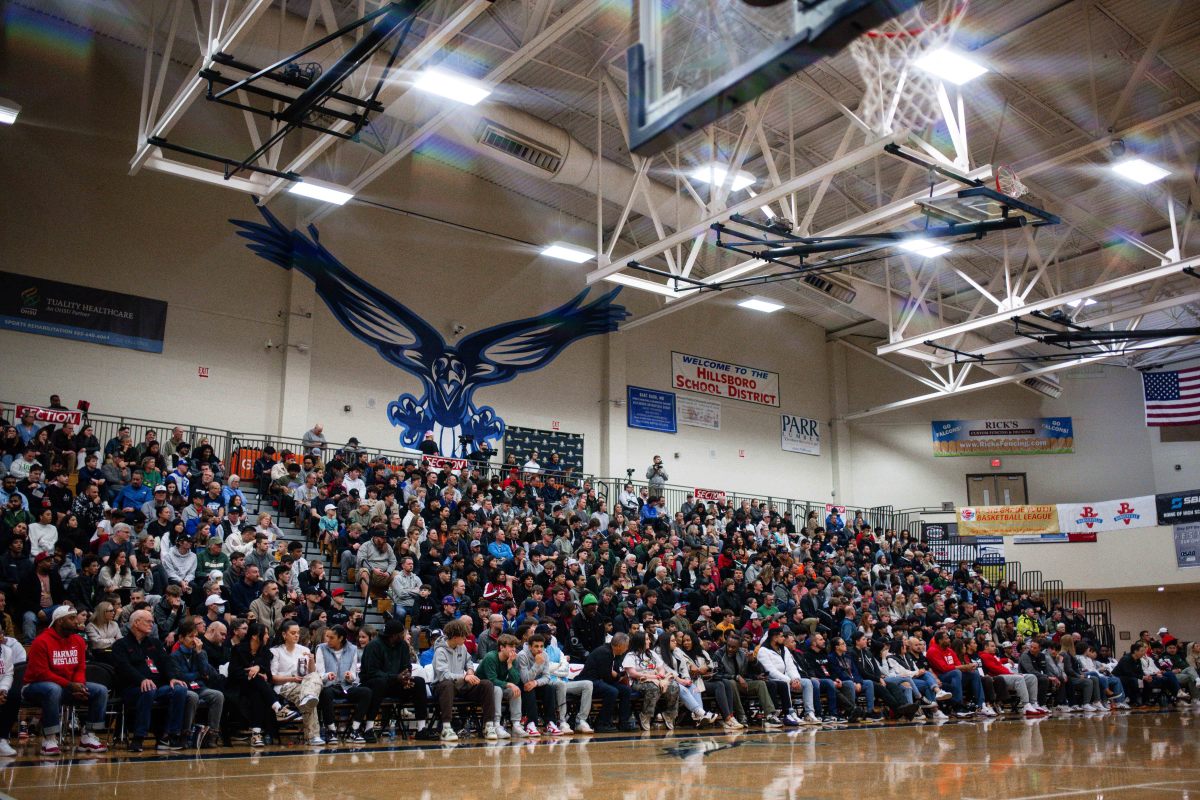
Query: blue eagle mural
[[449, 374]]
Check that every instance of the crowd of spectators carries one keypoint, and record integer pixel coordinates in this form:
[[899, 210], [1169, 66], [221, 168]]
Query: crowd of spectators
[[139, 570]]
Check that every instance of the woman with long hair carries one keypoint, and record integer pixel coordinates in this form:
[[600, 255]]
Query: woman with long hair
[[250, 682], [102, 631], [703, 671], [646, 674], [677, 667], [116, 577]]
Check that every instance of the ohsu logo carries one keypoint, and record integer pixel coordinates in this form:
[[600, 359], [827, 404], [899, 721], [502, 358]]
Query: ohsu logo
[[1089, 517], [1125, 514]]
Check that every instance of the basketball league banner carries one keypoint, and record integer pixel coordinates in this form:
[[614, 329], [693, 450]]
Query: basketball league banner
[[1007, 520], [83, 313], [1003, 437], [1107, 515], [724, 379]]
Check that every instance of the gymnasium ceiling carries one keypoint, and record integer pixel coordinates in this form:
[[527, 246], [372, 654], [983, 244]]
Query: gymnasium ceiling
[[1066, 78]]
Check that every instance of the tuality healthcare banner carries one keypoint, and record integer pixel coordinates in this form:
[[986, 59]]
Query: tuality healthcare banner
[[1107, 515], [83, 313], [724, 379], [1007, 520], [1003, 437]]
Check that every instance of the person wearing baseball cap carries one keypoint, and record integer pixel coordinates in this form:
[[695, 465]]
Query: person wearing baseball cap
[[57, 672], [32, 594]]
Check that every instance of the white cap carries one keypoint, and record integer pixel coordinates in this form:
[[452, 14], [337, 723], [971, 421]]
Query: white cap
[[1162, 630], [949, 621], [214, 600], [160, 488], [60, 612]]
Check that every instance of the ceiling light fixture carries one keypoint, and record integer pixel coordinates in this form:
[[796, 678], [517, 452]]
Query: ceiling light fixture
[[649, 286], [760, 304], [923, 247], [1085, 302], [8, 111], [715, 174], [951, 66], [452, 86], [1140, 171], [568, 252], [324, 192]]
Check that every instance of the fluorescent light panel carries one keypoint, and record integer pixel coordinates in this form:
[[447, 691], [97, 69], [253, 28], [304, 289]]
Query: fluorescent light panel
[[324, 193], [568, 252], [452, 86], [649, 286], [715, 174], [760, 304], [951, 66], [1085, 302], [1140, 170], [8, 111], [923, 247]]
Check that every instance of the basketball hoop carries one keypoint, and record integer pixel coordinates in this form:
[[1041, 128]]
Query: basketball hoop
[[1008, 183], [898, 94]]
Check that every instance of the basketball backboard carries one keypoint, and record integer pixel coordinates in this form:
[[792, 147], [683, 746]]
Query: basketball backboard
[[697, 60]]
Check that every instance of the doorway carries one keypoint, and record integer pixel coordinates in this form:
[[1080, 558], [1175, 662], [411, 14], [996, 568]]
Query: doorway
[[1007, 489]]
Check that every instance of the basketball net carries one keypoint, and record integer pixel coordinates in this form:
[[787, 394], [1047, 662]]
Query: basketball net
[[898, 94]]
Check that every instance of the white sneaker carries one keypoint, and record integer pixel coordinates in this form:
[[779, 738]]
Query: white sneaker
[[810, 719], [316, 741], [6, 748], [552, 729], [489, 732], [518, 730], [50, 746], [1123, 704], [565, 729], [919, 717], [502, 732], [940, 715], [532, 731], [581, 726], [987, 710], [942, 694], [1063, 709], [448, 734], [88, 741]]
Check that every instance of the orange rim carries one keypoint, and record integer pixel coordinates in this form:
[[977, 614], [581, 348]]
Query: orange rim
[[948, 19]]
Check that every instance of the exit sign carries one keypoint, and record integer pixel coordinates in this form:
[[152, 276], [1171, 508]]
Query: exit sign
[[995, 463]]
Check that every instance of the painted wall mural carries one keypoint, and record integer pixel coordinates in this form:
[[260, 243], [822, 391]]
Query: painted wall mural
[[449, 374]]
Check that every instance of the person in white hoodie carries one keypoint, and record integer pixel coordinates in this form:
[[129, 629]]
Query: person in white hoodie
[[781, 667], [12, 658]]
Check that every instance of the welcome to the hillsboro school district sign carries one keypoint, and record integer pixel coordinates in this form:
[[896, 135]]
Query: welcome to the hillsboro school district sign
[[724, 379]]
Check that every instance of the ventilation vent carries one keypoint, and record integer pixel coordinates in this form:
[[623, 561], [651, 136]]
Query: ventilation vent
[[837, 291], [516, 146], [1041, 385], [1085, 371]]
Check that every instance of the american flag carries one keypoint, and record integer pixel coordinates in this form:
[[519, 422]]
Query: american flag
[[1172, 398]]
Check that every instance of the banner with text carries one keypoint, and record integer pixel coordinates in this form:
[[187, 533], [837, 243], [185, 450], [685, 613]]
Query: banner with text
[[439, 462], [650, 409], [54, 416], [1006, 520], [800, 435], [1179, 507], [1003, 437], [82, 313], [724, 379], [710, 495], [1107, 515], [1187, 545], [698, 413]]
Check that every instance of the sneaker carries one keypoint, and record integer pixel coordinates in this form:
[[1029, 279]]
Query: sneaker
[[50, 746], [987, 711], [942, 694], [644, 720], [731, 723], [772, 721], [502, 732], [307, 701], [790, 720], [963, 713], [699, 717], [370, 736], [581, 726], [88, 741], [628, 726], [1123, 704], [1031, 710], [531, 730], [285, 714], [6, 749], [256, 739], [356, 737], [564, 729], [669, 722], [518, 730], [316, 741], [448, 734], [135, 745], [553, 730], [489, 732], [810, 719], [920, 717], [168, 743], [606, 727], [939, 715], [712, 718]]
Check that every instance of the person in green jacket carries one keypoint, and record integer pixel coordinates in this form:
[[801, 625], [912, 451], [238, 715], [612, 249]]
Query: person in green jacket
[[500, 667], [210, 558]]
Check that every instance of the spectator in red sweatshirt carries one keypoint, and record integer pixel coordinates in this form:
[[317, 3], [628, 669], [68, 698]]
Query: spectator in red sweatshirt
[[57, 671], [953, 673]]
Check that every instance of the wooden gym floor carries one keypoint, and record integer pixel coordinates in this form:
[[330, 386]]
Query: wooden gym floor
[[1128, 756]]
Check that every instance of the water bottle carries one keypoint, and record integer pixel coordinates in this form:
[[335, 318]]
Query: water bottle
[[302, 667]]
